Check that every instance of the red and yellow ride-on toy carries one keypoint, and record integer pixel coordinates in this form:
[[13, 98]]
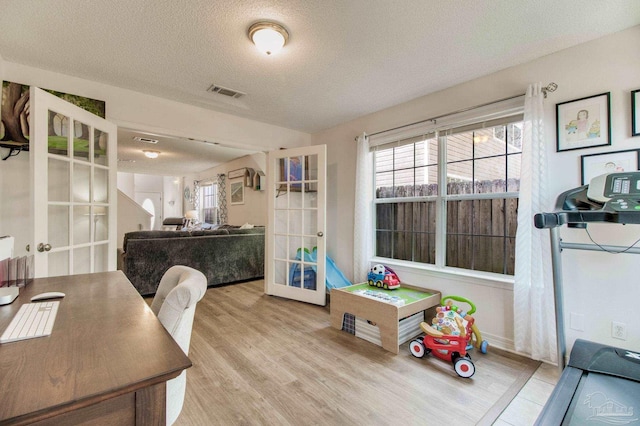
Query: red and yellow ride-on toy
[[449, 337]]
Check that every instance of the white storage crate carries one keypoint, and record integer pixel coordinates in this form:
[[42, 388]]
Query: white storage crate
[[407, 328]]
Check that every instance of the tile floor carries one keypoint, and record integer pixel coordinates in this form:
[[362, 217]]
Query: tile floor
[[527, 405]]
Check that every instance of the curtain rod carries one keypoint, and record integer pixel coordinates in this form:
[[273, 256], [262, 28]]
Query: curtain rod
[[551, 87]]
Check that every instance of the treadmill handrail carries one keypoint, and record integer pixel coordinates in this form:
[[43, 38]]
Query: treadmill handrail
[[573, 207]]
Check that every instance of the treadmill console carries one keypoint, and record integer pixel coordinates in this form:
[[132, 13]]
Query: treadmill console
[[613, 197], [622, 187]]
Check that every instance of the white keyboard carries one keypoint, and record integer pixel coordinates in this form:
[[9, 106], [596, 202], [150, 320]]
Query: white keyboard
[[32, 320]]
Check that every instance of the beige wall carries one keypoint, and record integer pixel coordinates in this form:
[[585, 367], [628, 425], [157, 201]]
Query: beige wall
[[254, 209], [139, 111], [596, 283], [136, 111]]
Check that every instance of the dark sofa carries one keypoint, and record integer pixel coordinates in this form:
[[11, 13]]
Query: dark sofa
[[223, 255]]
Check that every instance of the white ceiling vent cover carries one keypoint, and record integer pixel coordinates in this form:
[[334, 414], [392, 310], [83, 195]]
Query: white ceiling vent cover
[[214, 88], [145, 140]]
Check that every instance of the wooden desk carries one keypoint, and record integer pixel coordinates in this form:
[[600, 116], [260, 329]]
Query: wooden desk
[[385, 315], [105, 362]]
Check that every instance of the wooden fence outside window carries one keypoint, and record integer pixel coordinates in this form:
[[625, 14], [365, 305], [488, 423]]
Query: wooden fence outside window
[[480, 232]]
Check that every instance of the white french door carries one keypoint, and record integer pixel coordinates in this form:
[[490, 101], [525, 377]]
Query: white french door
[[73, 170], [295, 252]]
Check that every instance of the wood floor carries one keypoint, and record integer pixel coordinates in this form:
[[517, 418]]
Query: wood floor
[[263, 360]]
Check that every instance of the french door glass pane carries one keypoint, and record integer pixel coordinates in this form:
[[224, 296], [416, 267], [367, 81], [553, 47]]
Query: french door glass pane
[[81, 134], [281, 251], [59, 178], [295, 243], [82, 260], [295, 197], [309, 244], [294, 172], [310, 222], [295, 222], [58, 135], [100, 144], [101, 223], [81, 183], [81, 225], [281, 222], [58, 226], [58, 263], [281, 274], [310, 195], [100, 185], [100, 257], [311, 167]]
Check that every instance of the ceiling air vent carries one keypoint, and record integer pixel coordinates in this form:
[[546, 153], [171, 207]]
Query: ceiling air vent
[[145, 140], [214, 88]]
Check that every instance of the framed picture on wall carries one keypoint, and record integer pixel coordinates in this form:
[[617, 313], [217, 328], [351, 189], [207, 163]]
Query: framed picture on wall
[[609, 162], [635, 113], [237, 192], [583, 123]]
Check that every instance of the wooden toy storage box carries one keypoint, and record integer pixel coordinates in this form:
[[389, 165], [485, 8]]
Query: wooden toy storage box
[[386, 315]]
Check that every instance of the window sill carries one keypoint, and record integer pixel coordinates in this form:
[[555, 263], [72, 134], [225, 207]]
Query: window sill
[[487, 279]]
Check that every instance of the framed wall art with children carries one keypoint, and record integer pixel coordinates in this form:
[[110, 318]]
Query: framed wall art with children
[[583, 123]]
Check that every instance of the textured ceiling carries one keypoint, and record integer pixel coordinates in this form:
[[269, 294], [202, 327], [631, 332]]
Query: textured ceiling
[[178, 156], [344, 59]]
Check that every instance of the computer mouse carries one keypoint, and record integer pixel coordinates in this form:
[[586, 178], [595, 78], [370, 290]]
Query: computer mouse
[[48, 295]]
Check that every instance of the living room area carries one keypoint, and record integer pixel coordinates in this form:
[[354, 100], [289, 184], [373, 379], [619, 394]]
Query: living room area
[[436, 108]]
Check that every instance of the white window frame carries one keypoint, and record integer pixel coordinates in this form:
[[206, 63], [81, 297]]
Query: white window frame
[[468, 120], [203, 199]]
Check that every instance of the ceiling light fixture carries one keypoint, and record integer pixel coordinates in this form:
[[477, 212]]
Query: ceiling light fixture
[[268, 37], [151, 154]]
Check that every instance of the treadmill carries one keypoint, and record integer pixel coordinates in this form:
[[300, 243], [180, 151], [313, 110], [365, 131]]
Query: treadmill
[[601, 383]]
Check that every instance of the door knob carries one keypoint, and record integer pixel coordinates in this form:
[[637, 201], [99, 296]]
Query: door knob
[[319, 234], [44, 247]]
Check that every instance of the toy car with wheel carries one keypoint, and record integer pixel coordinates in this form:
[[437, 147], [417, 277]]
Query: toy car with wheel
[[476, 340], [447, 339], [383, 277]]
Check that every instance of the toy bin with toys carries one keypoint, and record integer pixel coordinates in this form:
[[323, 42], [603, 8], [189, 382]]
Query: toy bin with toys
[[450, 336]]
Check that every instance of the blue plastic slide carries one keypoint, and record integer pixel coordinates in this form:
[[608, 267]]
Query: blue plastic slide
[[334, 276]]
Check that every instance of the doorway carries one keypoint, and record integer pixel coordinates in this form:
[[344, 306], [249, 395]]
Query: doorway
[[152, 203]]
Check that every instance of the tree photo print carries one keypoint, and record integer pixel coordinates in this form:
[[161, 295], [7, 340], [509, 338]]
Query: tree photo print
[[14, 124]]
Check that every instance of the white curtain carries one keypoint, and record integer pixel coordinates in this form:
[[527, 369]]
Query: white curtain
[[534, 322], [362, 220], [222, 199], [196, 196]]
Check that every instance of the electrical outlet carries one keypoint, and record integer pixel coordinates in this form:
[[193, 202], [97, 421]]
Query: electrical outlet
[[618, 330]]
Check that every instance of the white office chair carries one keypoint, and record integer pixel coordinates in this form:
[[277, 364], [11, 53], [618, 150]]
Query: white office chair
[[180, 289]]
